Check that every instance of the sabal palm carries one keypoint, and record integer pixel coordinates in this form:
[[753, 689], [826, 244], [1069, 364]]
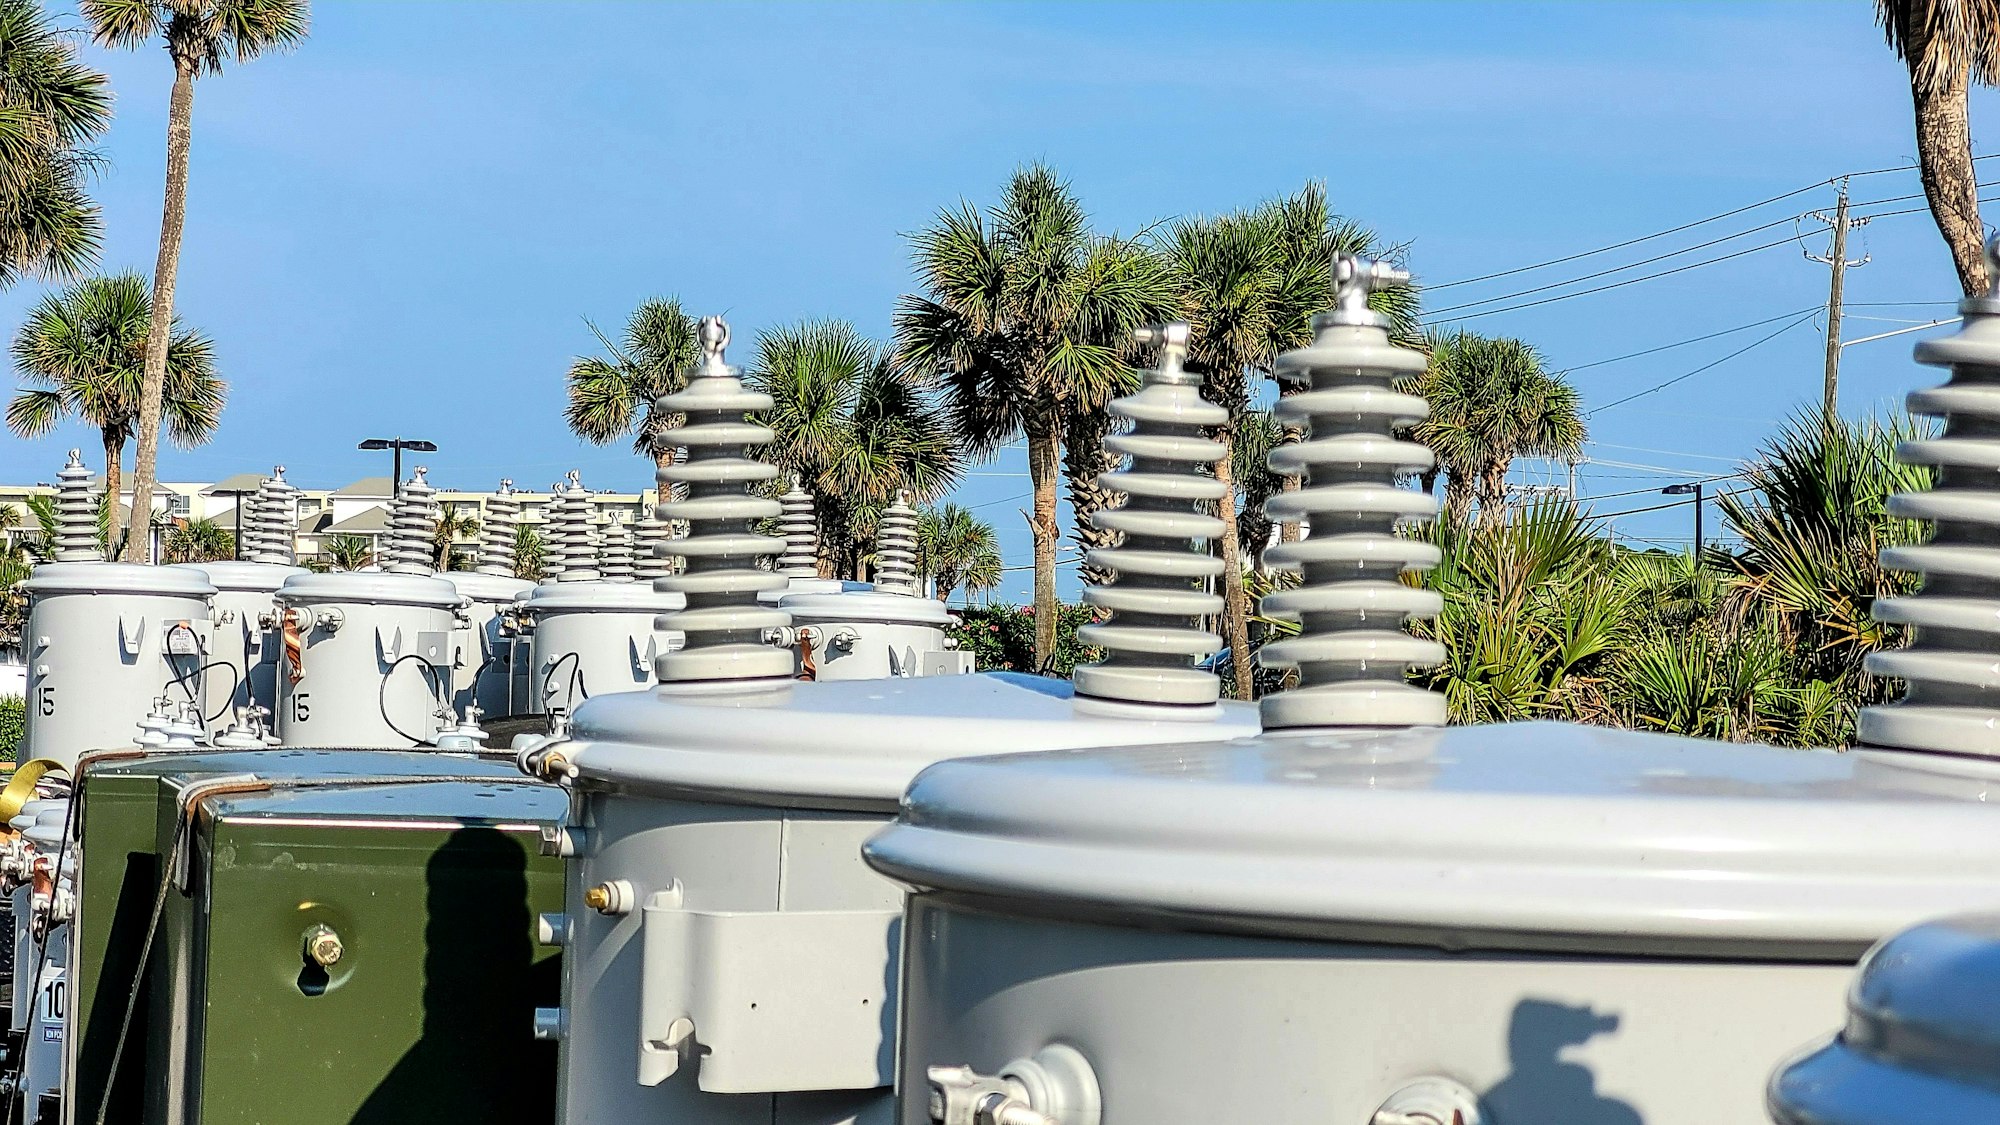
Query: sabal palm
[[202, 540], [529, 555], [81, 354], [348, 552], [1229, 277], [853, 426], [200, 35], [1492, 401], [612, 396], [51, 108], [1947, 45], [956, 549], [1024, 318], [453, 525]]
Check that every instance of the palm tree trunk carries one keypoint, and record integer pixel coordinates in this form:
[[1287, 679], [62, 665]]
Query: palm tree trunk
[[1084, 458], [114, 452], [1235, 601], [1458, 493], [173, 216], [1044, 469], [1944, 158], [1493, 490]]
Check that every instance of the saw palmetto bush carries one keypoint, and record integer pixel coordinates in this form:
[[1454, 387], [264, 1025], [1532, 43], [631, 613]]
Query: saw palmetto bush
[[1529, 619]]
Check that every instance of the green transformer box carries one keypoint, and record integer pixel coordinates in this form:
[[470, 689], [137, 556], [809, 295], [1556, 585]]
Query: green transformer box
[[311, 937]]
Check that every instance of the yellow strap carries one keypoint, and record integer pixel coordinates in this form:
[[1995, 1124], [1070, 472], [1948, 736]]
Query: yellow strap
[[23, 786]]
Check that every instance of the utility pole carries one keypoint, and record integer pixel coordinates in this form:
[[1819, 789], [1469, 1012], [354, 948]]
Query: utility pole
[[1836, 258]]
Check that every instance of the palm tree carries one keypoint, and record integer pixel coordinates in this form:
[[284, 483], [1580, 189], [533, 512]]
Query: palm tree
[[81, 353], [202, 540], [1024, 318], [200, 35], [451, 527], [528, 553], [854, 427], [1257, 435], [1492, 401], [1947, 45], [956, 549], [348, 552], [51, 107], [609, 398]]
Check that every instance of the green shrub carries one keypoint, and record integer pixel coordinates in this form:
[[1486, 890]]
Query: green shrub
[[13, 725], [1001, 638]]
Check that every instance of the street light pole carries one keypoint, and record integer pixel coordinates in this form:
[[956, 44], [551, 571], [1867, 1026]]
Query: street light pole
[[398, 444], [1693, 489]]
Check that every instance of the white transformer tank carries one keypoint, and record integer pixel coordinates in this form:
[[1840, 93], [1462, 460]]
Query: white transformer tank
[[491, 651], [104, 642], [377, 655], [729, 958], [1532, 923], [1921, 1043], [247, 641], [593, 638], [870, 635]]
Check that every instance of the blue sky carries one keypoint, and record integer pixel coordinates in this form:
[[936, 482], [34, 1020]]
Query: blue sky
[[401, 227]]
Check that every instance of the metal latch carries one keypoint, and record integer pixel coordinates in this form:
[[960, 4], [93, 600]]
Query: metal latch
[[777, 1000]]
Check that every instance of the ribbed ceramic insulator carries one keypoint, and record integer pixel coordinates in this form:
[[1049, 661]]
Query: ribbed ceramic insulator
[[616, 558], [896, 547], [273, 515], [1157, 595], [413, 516], [651, 552], [498, 531], [76, 513], [575, 537], [800, 527], [725, 626], [1951, 701], [1352, 652]]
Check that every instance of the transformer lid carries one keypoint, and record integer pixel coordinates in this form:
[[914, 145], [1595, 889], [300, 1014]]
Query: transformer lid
[[865, 605], [1522, 836], [487, 587], [374, 587], [601, 596], [853, 743], [1922, 1041], [118, 578], [242, 575]]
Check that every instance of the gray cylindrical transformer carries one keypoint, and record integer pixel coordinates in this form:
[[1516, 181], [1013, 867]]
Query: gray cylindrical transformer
[[717, 894], [871, 635], [244, 614], [1922, 1039], [104, 641], [491, 654], [1525, 923], [377, 659], [593, 638]]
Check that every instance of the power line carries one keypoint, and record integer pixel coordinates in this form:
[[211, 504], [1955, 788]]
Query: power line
[[1669, 273], [1828, 182], [1760, 341], [1792, 219], [1669, 254], [1691, 340]]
